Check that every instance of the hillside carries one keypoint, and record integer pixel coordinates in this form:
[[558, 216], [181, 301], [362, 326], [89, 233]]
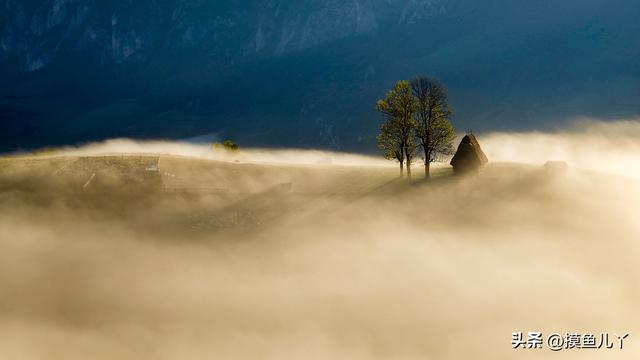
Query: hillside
[[74, 71]]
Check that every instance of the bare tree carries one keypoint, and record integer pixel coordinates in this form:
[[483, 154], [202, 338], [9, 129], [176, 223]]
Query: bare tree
[[396, 138], [433, 128]]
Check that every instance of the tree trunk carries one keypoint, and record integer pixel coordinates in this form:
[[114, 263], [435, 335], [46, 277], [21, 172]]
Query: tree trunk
[[408, 160], [401, 169], [427, 162]]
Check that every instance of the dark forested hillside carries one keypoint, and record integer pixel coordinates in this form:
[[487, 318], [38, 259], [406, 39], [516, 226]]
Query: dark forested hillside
[[304, 73]]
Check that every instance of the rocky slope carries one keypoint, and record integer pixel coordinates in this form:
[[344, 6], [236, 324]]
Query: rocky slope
[[36, 32]]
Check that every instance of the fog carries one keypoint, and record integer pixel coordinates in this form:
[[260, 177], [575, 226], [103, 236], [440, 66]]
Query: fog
[[203, 151], [611, 147], [346, 262]]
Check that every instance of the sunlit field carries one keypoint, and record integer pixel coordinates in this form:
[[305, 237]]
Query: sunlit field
[[129, 250]]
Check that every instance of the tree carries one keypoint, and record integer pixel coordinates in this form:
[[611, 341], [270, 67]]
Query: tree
[[230, 145], [396, 139], [391, 146], [227, 145], [433, 128]]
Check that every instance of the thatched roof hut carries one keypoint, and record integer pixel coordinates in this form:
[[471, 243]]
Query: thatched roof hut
[[469, 158]]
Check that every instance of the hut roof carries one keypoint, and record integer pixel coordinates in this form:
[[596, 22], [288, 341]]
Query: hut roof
[[469, 148]]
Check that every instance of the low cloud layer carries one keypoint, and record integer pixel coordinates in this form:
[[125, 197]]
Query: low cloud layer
[[610, 147], [280, 257], [204, 151]]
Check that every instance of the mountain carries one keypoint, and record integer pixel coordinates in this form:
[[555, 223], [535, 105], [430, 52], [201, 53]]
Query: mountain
[[304, 73]]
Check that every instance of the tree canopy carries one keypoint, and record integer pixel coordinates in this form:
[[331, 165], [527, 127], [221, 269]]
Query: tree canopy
[[396, 138], [227, 145], [433, 128], [417, 117]]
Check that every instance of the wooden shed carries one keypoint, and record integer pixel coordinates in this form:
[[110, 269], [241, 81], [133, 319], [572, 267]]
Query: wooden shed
[[469, 158]]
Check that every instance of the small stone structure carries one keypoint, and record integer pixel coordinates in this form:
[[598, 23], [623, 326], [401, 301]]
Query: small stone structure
[[469, 158]]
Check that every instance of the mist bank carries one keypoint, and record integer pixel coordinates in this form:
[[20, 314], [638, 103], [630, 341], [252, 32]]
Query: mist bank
[[349, 263], [206, 151], [603, 146], [609, 147]]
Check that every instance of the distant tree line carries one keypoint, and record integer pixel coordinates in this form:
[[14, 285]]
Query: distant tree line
[[417, 123]]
